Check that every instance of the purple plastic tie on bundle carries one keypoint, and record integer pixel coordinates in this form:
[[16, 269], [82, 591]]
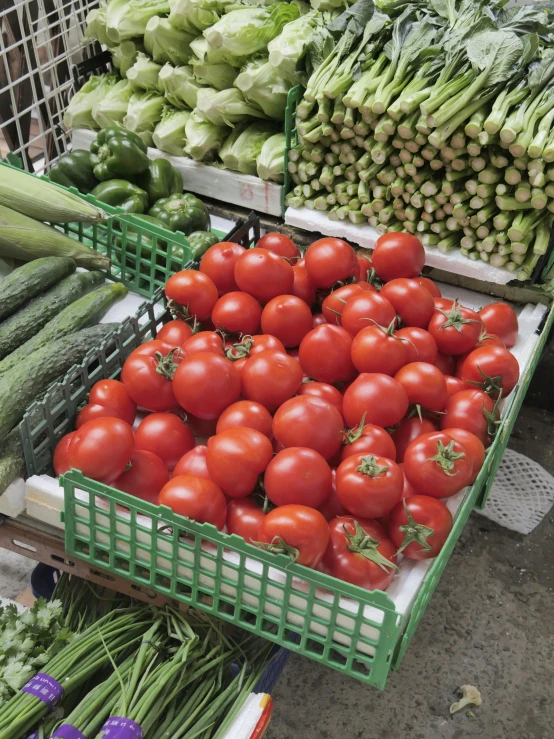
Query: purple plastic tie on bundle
[[66, 731], [34, 735], [117, 727], [45, 688]]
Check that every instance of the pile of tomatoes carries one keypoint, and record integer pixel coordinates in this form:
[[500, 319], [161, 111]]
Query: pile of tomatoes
[[320, 406]]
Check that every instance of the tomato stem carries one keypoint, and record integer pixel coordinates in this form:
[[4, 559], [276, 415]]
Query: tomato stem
[[241, 349], [490, 385], [370, 467], [363, 544], [166, 365], [454, 319], [354, 434], [279, 546], [446, 457], [414, 532]]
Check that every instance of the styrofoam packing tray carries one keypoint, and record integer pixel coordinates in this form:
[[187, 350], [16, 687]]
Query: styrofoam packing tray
[[44, 501], [205, 179], [366, 236]]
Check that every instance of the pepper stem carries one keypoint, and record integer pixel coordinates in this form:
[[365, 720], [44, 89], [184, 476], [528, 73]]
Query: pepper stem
[[446, 457], [370, 467], [414, 532], [363, 544]]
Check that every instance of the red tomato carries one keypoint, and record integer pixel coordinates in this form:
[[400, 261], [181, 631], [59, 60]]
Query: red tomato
[[148, 380], [324, 391], [296, 356], [201, 427], [377, 397], [369, 485], [332, 507], [473, 445], [270, 378], [500, 319], [368, 440], [437, 465], [367, 309], [407, 430], [443, 304], [193, 463], [319, 319], [237, 313], [244, 518], [420, 345], [246, 414], [196, 498], [61, 454], [412, 301], [359, 552], [165, 435], [420, 526], [424, 384], [325, 354], [193, 292], [300, 532], [457, 331], [205, 384], [264, 275], [455, 385], [445, 363], [334, 303], [493, 368], [330, 260], [378, 349], [205, 341], [101, 449], [281, 245], [472, 410], [484, 340], [145, 477], [175, 333], [288, 318], [298, 475], [218, 263], [236, 458], [302, 286], [311, 422], [365, 265], [113, 395], [90, 412], [429, 285], [398, 255], [151, 348]]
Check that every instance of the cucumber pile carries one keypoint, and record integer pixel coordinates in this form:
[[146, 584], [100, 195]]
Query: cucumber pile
[[49, 319]]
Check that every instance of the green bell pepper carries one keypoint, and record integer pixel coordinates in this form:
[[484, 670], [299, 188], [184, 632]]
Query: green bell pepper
[[116, 152], [182, 213], [123, 194], [200, 242], [74, 170], [160, 180]]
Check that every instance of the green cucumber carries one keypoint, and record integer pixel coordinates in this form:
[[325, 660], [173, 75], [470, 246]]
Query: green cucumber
[[30, 280], [12, 459], [29, 320], [84, 312], [25, 383]]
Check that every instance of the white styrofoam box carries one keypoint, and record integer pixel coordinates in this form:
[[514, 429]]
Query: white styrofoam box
[[213, 182], [366, 236]]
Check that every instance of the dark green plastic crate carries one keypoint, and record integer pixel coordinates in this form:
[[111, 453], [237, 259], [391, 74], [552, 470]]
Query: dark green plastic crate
[[122, 237], [185, 560]]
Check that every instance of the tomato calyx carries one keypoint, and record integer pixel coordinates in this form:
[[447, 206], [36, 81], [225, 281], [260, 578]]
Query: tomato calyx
[[370, 467], [373, 280], [279, 546], [259, 496], [165, 365], [352, 435], [493, 422], [454, 318], [414, 533], [240, 350], [490, 385], [363, 544], [446, 457], [181, 312]]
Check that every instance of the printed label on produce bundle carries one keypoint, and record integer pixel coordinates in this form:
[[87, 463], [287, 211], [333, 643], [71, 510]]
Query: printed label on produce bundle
[[118, 727], [45, 688], [68, 732]]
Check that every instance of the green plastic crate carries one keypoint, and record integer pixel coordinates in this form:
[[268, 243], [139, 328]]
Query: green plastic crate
[[121, 238], [362, 636]]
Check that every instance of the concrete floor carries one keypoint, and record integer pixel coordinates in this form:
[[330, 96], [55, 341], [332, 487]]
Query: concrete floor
[[489, 624]]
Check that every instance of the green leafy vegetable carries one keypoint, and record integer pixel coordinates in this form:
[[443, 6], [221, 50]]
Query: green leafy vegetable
[[225, 107], [242, 148], [144, 74], [79, 111], [128, 18], [270, 161], [264, 85], [179, 85], [111, 110], [125, 55], [165, 43], [169, 134], [144, 112], [203, 138]]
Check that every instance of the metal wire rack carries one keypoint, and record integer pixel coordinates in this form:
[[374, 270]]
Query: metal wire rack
[[40, 44]]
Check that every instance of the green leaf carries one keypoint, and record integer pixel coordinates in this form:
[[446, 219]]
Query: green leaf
[[498, 52], [542, 72]]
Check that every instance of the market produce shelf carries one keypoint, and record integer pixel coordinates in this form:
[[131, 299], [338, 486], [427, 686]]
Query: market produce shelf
[[359, 633]]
